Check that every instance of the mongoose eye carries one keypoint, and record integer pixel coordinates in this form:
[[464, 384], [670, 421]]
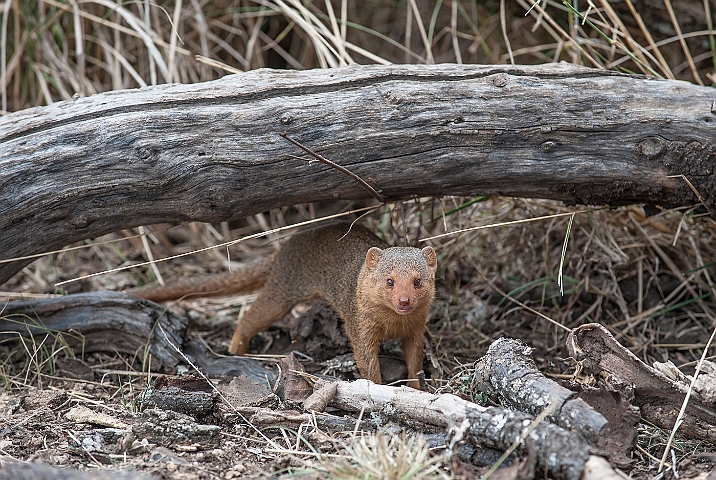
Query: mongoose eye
[[418, 283], [390, 283]]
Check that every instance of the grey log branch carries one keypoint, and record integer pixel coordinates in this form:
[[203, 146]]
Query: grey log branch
[[212, 151]]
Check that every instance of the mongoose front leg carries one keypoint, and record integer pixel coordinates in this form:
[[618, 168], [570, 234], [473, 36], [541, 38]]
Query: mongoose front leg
[[413, 353], [365, 350], [266, 310]]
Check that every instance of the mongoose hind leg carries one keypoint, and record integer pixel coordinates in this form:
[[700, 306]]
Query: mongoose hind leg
[[413, 353], [266, 310]]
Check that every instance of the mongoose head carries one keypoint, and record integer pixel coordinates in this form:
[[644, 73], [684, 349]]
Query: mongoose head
[[403, 278]]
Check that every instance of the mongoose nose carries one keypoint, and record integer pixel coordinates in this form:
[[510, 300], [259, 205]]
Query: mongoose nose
[[404, 301]]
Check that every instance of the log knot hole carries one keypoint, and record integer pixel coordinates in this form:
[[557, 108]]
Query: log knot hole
[[149, 156], [548, 145], [392, 97], [80, 221], [652, 147], [499, 80]]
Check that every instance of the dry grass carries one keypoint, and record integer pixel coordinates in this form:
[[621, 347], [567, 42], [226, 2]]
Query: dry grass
[[50, 50], [648, 279], [385, 456]]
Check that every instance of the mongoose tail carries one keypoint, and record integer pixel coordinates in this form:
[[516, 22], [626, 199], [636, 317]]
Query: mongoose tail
[[244, 280]]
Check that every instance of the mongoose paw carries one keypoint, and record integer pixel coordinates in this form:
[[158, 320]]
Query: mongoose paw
[[239, 344]]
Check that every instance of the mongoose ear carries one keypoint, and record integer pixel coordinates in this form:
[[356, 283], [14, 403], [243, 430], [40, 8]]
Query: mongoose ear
[[431, 257], [373, 257]]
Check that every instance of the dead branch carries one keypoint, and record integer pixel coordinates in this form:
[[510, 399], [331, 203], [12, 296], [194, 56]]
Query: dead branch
[[602, 417], [508, 373], [563, 453], [99, 321], [658, 396]]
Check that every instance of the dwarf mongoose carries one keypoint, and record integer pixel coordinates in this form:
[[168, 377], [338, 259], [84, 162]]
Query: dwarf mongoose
[[380, 293]]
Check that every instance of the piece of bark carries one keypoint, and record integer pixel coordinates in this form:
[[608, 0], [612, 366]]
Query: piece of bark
[[105, 441], [36, 398], [183, 394], [82, 414], [36, 471], [322, 395], [507, 372], [705, 384], [243, 392], [561, 452], [619, 435], [293, 386], [228, 366], [658, 397], [211, 151], [100, 321], [169, 428]]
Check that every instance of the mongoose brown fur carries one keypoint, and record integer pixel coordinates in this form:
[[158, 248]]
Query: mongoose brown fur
[[380, 293]]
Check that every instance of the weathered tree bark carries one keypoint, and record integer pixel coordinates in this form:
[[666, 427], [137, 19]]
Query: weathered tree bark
[[659, 397], [507, 372], [183, 394], [606, 420], [563, 453], [100, 321], [170, 428], [109, 321], [211, 151]]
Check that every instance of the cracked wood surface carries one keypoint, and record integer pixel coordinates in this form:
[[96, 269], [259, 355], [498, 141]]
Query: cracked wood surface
[[211, 151]]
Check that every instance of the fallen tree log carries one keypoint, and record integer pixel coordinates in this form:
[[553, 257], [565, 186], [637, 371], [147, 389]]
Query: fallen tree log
[[660, 398], [114, 321], [100, 321], [564, 454], [507, 372], [212, 151]]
